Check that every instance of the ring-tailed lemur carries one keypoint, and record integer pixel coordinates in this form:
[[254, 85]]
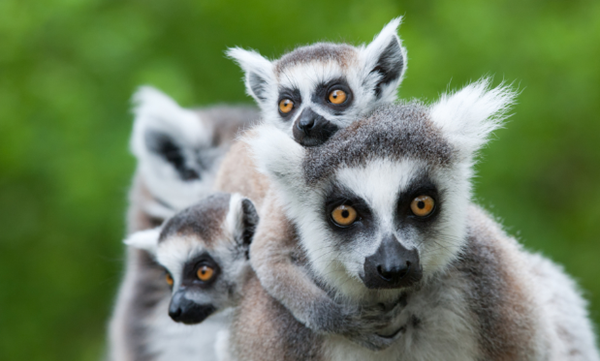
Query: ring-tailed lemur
[[170, 147], [315, 90], [178, 152], [204, 250], [382, 213]]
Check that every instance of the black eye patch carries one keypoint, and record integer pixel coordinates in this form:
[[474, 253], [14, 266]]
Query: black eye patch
[[338, 196], [291, 94], [322, 91], [422, 186], [191, 268]]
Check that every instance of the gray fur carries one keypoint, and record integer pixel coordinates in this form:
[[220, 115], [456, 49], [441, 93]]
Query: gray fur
[[143, 294], [392, 132], [342, 54], [482, 297]]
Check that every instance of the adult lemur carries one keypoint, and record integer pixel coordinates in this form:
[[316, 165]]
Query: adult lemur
[[381, 213], [329, 85]]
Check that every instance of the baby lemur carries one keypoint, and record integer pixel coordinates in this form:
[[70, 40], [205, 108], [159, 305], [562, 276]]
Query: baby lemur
[[178, 152], [382, 213], [315, 90], [204, 250]]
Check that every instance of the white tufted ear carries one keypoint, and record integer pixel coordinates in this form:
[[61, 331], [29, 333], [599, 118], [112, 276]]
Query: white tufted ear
[[146, 240], [468, 116], [384, 62], [259, 76], [277, 155]]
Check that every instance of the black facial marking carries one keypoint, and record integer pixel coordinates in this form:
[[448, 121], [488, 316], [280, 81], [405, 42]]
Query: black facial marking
[[294, 96], [258, 85], [418, 187], [166, 147], [322, 91], [338, 196], [311, 129], [190, 270], [390, 65], [187, 311], [392, 266]]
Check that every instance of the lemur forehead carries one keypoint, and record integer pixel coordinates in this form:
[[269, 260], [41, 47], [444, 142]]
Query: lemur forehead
[[205, 220], [392, 132], [343, 54]]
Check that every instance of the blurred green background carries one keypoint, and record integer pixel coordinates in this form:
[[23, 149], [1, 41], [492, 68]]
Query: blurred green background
[[69, 67]]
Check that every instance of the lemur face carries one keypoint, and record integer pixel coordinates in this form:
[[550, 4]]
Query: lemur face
[[204, 250], [313, 91], [382, 204]]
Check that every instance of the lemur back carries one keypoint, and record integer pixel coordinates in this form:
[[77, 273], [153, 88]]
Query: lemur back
[[382, 213]]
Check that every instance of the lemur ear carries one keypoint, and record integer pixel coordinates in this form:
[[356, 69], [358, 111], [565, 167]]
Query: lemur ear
[[258, 72], [242, 219], [166, 134], [172, 145], [385, 62], [468, 116], [277, 155], [145, 240]]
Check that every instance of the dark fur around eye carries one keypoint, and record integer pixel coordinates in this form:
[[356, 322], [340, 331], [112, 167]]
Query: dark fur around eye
[[294, 96], [419, 187], [340, 196], [191, 267], [322, 91]]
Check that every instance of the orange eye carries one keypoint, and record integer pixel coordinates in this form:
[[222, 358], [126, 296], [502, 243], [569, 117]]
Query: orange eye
[[286, 106], [344, 215], [205, 273], [422, 206], [337, 96], [169, 279]]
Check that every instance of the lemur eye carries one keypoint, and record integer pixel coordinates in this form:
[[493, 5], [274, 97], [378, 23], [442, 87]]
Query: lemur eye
[[344, 215], [205, 273], [169, 279], [286, 106], [422, 206], [337, 96]]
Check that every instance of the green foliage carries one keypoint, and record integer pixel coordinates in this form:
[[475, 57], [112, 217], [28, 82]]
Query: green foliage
[[69, 67]]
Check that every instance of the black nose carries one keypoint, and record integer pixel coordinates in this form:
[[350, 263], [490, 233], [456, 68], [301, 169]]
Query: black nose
[[394, 272], [392, 266], [306, 125], [311, 129], [187, 311]]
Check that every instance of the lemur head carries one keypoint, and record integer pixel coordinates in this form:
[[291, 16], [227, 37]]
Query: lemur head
[[383, 203], [315, 90], [204, 250], [174, 147]]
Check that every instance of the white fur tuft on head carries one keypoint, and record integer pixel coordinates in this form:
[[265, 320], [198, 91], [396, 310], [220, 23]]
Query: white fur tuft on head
[[468, 116], [258, 71], [146, 240]]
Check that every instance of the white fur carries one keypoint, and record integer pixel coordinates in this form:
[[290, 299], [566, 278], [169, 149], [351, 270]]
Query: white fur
[[155, 111], [146, 240], [468, 116], [305, 76]]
